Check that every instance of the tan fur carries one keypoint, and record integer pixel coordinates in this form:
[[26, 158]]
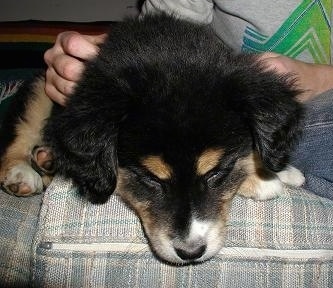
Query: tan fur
[[208, 160], [141, 208], [157, 166], [28, 130], [253, 167]]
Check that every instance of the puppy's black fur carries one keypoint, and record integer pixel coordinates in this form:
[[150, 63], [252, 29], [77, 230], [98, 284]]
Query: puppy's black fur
[[174, 120], [165, 76]]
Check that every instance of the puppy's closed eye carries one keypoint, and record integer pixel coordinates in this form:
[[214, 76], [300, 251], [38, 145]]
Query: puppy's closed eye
[[152, 183], [216, 179], [148, 181]]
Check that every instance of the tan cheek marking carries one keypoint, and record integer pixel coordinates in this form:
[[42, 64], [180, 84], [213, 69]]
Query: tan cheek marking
[[208, 160], [251, 165], [142, 209], [157, 166]]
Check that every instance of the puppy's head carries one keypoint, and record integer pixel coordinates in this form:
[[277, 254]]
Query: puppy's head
[[167, 111], [185, 146]]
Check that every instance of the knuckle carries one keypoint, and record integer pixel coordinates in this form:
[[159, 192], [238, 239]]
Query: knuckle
[[47, 56], [67, 89], [68, 69], [70, 41]]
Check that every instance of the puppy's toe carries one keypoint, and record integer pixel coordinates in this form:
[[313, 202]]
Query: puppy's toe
[[268, 189], [22, 180], [291, 176], [42, 160]]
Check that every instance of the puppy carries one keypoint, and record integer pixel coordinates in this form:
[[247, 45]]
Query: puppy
[[172, 120]]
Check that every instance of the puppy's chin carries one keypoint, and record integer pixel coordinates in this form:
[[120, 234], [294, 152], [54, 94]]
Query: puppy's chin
[[205, 237]]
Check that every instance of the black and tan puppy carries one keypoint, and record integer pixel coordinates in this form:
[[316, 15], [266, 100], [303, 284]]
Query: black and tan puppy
[[174, 122]]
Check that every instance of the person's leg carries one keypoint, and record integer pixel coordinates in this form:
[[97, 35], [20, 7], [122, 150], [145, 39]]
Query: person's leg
[[314, 153]]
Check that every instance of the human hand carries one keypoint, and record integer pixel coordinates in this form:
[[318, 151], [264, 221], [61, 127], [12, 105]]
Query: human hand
[[65, 61], [312, 79]]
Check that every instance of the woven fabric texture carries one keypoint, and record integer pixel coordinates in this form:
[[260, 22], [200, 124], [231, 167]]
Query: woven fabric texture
[[18, 224], [286, 242]]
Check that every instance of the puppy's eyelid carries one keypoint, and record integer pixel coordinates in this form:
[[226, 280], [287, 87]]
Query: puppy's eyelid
[[153, 183], [143, 177], [214, 179]]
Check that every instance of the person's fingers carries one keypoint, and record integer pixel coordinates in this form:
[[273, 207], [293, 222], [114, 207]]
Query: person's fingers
[[266, 55], [58, 88], [275, 62], [81, 46], [68, 67], [57, 48], [75, 45], [65, 61], [63, 85], [49, 55], [55, 95]]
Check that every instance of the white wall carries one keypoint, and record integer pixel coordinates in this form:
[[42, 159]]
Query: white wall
[[67, 10]]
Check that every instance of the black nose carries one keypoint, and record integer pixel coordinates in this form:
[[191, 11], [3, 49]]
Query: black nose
[[191, 253]]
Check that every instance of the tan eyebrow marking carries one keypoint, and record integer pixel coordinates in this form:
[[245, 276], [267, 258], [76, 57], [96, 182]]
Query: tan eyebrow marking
[[208, 160], [157, 166]]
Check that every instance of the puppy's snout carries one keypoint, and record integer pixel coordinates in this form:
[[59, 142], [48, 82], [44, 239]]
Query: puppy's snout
[[190, 252], [193, 245]]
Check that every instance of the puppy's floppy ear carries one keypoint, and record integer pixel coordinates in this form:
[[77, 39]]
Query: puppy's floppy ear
[[268, 105], [83, 135], [85, 151]]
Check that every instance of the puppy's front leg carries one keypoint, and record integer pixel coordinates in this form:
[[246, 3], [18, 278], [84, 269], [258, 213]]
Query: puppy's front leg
[[261, 185], [23, 128]]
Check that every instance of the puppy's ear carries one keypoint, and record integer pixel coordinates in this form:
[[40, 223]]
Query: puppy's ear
[[268, 105], [85, 151], [83, 135]]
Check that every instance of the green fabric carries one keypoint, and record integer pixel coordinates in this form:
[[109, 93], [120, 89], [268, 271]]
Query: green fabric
[[306, 29]]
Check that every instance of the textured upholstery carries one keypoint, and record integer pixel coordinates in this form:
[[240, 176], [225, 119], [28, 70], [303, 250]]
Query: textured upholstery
[[286, 242]]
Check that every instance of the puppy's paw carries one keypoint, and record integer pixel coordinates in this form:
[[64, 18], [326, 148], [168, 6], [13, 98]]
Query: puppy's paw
[[268, 189], [261, 189], [96, 190], [291, 176], [22, 180]]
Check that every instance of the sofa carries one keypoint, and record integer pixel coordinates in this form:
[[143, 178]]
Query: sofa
[[58, 239]]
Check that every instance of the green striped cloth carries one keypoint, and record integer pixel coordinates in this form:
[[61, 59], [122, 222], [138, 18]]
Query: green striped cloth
[[285, 242]]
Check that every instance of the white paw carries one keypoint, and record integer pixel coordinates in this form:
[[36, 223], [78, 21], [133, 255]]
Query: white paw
[[291, 176], [22, 180], [268, 189], [261, 188]]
